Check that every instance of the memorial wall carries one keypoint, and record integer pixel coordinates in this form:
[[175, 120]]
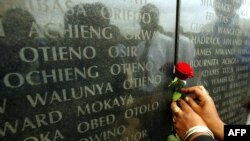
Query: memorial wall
[[219, 32], [99, 70]]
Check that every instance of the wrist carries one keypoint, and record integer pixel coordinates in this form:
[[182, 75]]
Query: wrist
[[195, 131], [219, 132], [217, 129], [197, 134]]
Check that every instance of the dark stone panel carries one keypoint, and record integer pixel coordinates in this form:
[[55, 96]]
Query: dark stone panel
[[86, 70], [99, 70], [220, 36]]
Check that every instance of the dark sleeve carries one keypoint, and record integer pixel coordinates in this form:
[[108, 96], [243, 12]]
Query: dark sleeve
[[204, 138]]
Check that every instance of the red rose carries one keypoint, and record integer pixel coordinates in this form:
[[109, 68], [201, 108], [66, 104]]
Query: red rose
[[183, 71]]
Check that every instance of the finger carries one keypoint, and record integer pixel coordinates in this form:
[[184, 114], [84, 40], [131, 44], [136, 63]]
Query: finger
[[192, 103], [174, 119], [176, 109], [205, 101], [197, 91], [184, 106], [204, 90], [192, 90]]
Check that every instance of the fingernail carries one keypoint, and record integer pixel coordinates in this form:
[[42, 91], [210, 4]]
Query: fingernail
[[187, 98]]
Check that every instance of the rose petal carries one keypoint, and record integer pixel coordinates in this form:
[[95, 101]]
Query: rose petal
[[183, 70]]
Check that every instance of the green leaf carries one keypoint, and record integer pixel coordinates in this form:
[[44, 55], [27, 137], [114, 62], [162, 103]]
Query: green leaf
[[174, 82], [172, 138], [176, 96]]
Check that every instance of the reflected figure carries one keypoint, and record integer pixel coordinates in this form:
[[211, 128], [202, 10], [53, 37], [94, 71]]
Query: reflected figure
[[156, 50], [97, 35], [226, 20], [226, 38], [93, 24], [95, 31], [186, 48], [16, 24], [185, 52]]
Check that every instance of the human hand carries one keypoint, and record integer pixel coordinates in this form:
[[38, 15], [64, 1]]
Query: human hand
[[201, 102], [184, 118]]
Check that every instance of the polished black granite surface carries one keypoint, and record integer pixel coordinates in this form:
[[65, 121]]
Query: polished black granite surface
[[98, 70]]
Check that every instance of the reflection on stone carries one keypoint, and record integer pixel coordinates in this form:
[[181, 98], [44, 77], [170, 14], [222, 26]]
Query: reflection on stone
[[71, 71], [219, 41], [73, 75]]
